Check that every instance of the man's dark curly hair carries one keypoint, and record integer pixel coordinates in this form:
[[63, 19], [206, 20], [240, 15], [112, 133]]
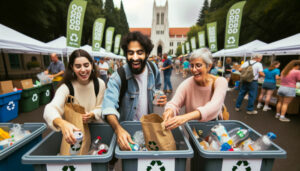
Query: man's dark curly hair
[[137, 36]]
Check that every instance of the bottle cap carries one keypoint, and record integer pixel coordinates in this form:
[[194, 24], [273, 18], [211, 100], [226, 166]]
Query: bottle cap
[[225, 147], [271, 135]]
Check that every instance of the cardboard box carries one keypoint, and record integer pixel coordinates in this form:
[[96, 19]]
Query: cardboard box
[[6, 87], [23, 84]]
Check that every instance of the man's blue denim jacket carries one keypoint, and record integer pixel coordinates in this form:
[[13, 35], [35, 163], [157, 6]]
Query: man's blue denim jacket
[[130, 99]]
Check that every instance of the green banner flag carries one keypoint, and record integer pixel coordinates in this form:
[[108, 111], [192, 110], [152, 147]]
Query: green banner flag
[[121, 52], [201, 38], [75, 22], [117, 43], [98, 33], [212, 36], [193, 43], [187, 44], [109, 38], [233, 24], [182, 48]]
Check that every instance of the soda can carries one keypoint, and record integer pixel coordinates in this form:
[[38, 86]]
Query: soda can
[[75, 148]]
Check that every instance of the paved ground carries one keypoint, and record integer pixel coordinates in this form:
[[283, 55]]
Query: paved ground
[[288, 134]]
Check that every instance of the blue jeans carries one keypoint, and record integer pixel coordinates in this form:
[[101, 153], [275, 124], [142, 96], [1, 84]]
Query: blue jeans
[[167, 82], [251, 88]]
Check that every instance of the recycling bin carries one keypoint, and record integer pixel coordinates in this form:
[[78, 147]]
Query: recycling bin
[[230, 160], [44, 156], [30, 99], [10, 157], [155, 160], [45, 94], [9, 104]]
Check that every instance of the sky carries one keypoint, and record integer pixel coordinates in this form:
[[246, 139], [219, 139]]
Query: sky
[[182, 13]]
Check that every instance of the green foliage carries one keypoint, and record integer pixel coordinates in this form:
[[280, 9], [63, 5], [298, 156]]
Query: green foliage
[[179, 50], [203, 13]]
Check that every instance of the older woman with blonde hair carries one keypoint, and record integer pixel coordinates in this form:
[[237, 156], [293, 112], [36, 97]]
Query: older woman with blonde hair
[[202, 94]]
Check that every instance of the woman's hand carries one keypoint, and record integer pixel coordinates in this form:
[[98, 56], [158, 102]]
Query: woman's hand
[[175, 122], [67, 130], [123, 137], [87, 117], [168, 114], [162, 100]]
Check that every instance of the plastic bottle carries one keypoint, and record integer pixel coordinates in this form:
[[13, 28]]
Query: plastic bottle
[[222, 136], [157, 95], [238, 135], [95, 145], [263, 143]]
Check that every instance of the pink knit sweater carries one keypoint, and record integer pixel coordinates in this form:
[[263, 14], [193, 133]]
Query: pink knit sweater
[[195, 97]]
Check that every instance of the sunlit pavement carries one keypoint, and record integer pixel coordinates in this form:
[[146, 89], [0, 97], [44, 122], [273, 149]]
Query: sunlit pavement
[[288, 134]]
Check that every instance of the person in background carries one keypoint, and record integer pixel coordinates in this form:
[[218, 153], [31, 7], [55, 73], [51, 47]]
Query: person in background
[[250, 87], [271, 75], [56, 68], [167, 69], [202, 95], [290, 75], [186, 65], [103, 68], [177, 65], [228, 69], [81, 73]]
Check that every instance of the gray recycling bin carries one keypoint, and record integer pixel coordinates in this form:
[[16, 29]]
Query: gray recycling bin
[[152, 160], [44, 155], [230, 160], [10, 157]]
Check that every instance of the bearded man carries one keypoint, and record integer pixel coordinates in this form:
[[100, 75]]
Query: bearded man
[[130, 91]]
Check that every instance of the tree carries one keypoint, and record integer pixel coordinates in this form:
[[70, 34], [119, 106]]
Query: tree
[[179, 50], [203, 13], [123, 21]]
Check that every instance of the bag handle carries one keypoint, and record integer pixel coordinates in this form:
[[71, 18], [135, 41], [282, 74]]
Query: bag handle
[[72, 100]]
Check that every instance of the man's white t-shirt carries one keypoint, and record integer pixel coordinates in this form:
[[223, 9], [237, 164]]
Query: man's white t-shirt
[[177, 62], [142, 106], [104, 65], [257, 67]]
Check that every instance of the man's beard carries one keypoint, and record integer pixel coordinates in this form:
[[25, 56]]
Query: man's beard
[[139, 70]]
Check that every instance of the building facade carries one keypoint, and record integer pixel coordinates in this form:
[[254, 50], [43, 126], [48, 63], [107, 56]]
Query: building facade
[[165, 39]]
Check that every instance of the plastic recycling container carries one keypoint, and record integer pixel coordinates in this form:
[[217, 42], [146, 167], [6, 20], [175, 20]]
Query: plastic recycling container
[[45, 93], [30, 99], [10, 157], [159, 160], [9, 104], [44, 156], [230, 160]]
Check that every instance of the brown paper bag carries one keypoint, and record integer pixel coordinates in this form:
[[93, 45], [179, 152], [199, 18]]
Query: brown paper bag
[[73, 115], [156, 137]]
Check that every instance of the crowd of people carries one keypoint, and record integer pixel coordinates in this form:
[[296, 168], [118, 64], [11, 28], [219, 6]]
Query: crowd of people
[[131, 88]]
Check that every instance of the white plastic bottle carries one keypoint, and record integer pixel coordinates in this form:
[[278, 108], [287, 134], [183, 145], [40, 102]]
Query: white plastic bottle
[[95, 145], [261, 144]]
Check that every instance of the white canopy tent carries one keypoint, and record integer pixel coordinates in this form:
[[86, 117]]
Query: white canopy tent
[[286, 46], [16, 42]]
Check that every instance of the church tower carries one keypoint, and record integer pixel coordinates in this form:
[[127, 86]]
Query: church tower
[[160, 29]]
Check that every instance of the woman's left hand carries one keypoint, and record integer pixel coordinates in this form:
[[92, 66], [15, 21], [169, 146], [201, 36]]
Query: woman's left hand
[[175, 122], [162, 100], [87, 117]]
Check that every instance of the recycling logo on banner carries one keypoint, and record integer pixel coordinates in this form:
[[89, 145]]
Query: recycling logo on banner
[[97, 45], [74, 37], [241, 165], [10, 106], [48, 93], [152, 145], [159, 165], [68, 168], [35, 98], [231, 40]]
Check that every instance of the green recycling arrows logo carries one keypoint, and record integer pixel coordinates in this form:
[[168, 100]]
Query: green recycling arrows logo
[[158, 163], [68, 168], [241, 165], [153, 146]]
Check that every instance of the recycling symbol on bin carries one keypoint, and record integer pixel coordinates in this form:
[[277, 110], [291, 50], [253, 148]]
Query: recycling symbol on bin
[[10, 106], [152, 145], [159, 164], [241, 165], [48, 93], [68, 168], [34, 97]]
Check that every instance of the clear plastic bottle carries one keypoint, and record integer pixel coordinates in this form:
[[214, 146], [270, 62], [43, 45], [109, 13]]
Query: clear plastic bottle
[[157, 95], [261, 144], [238, 135], [95, 146]]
